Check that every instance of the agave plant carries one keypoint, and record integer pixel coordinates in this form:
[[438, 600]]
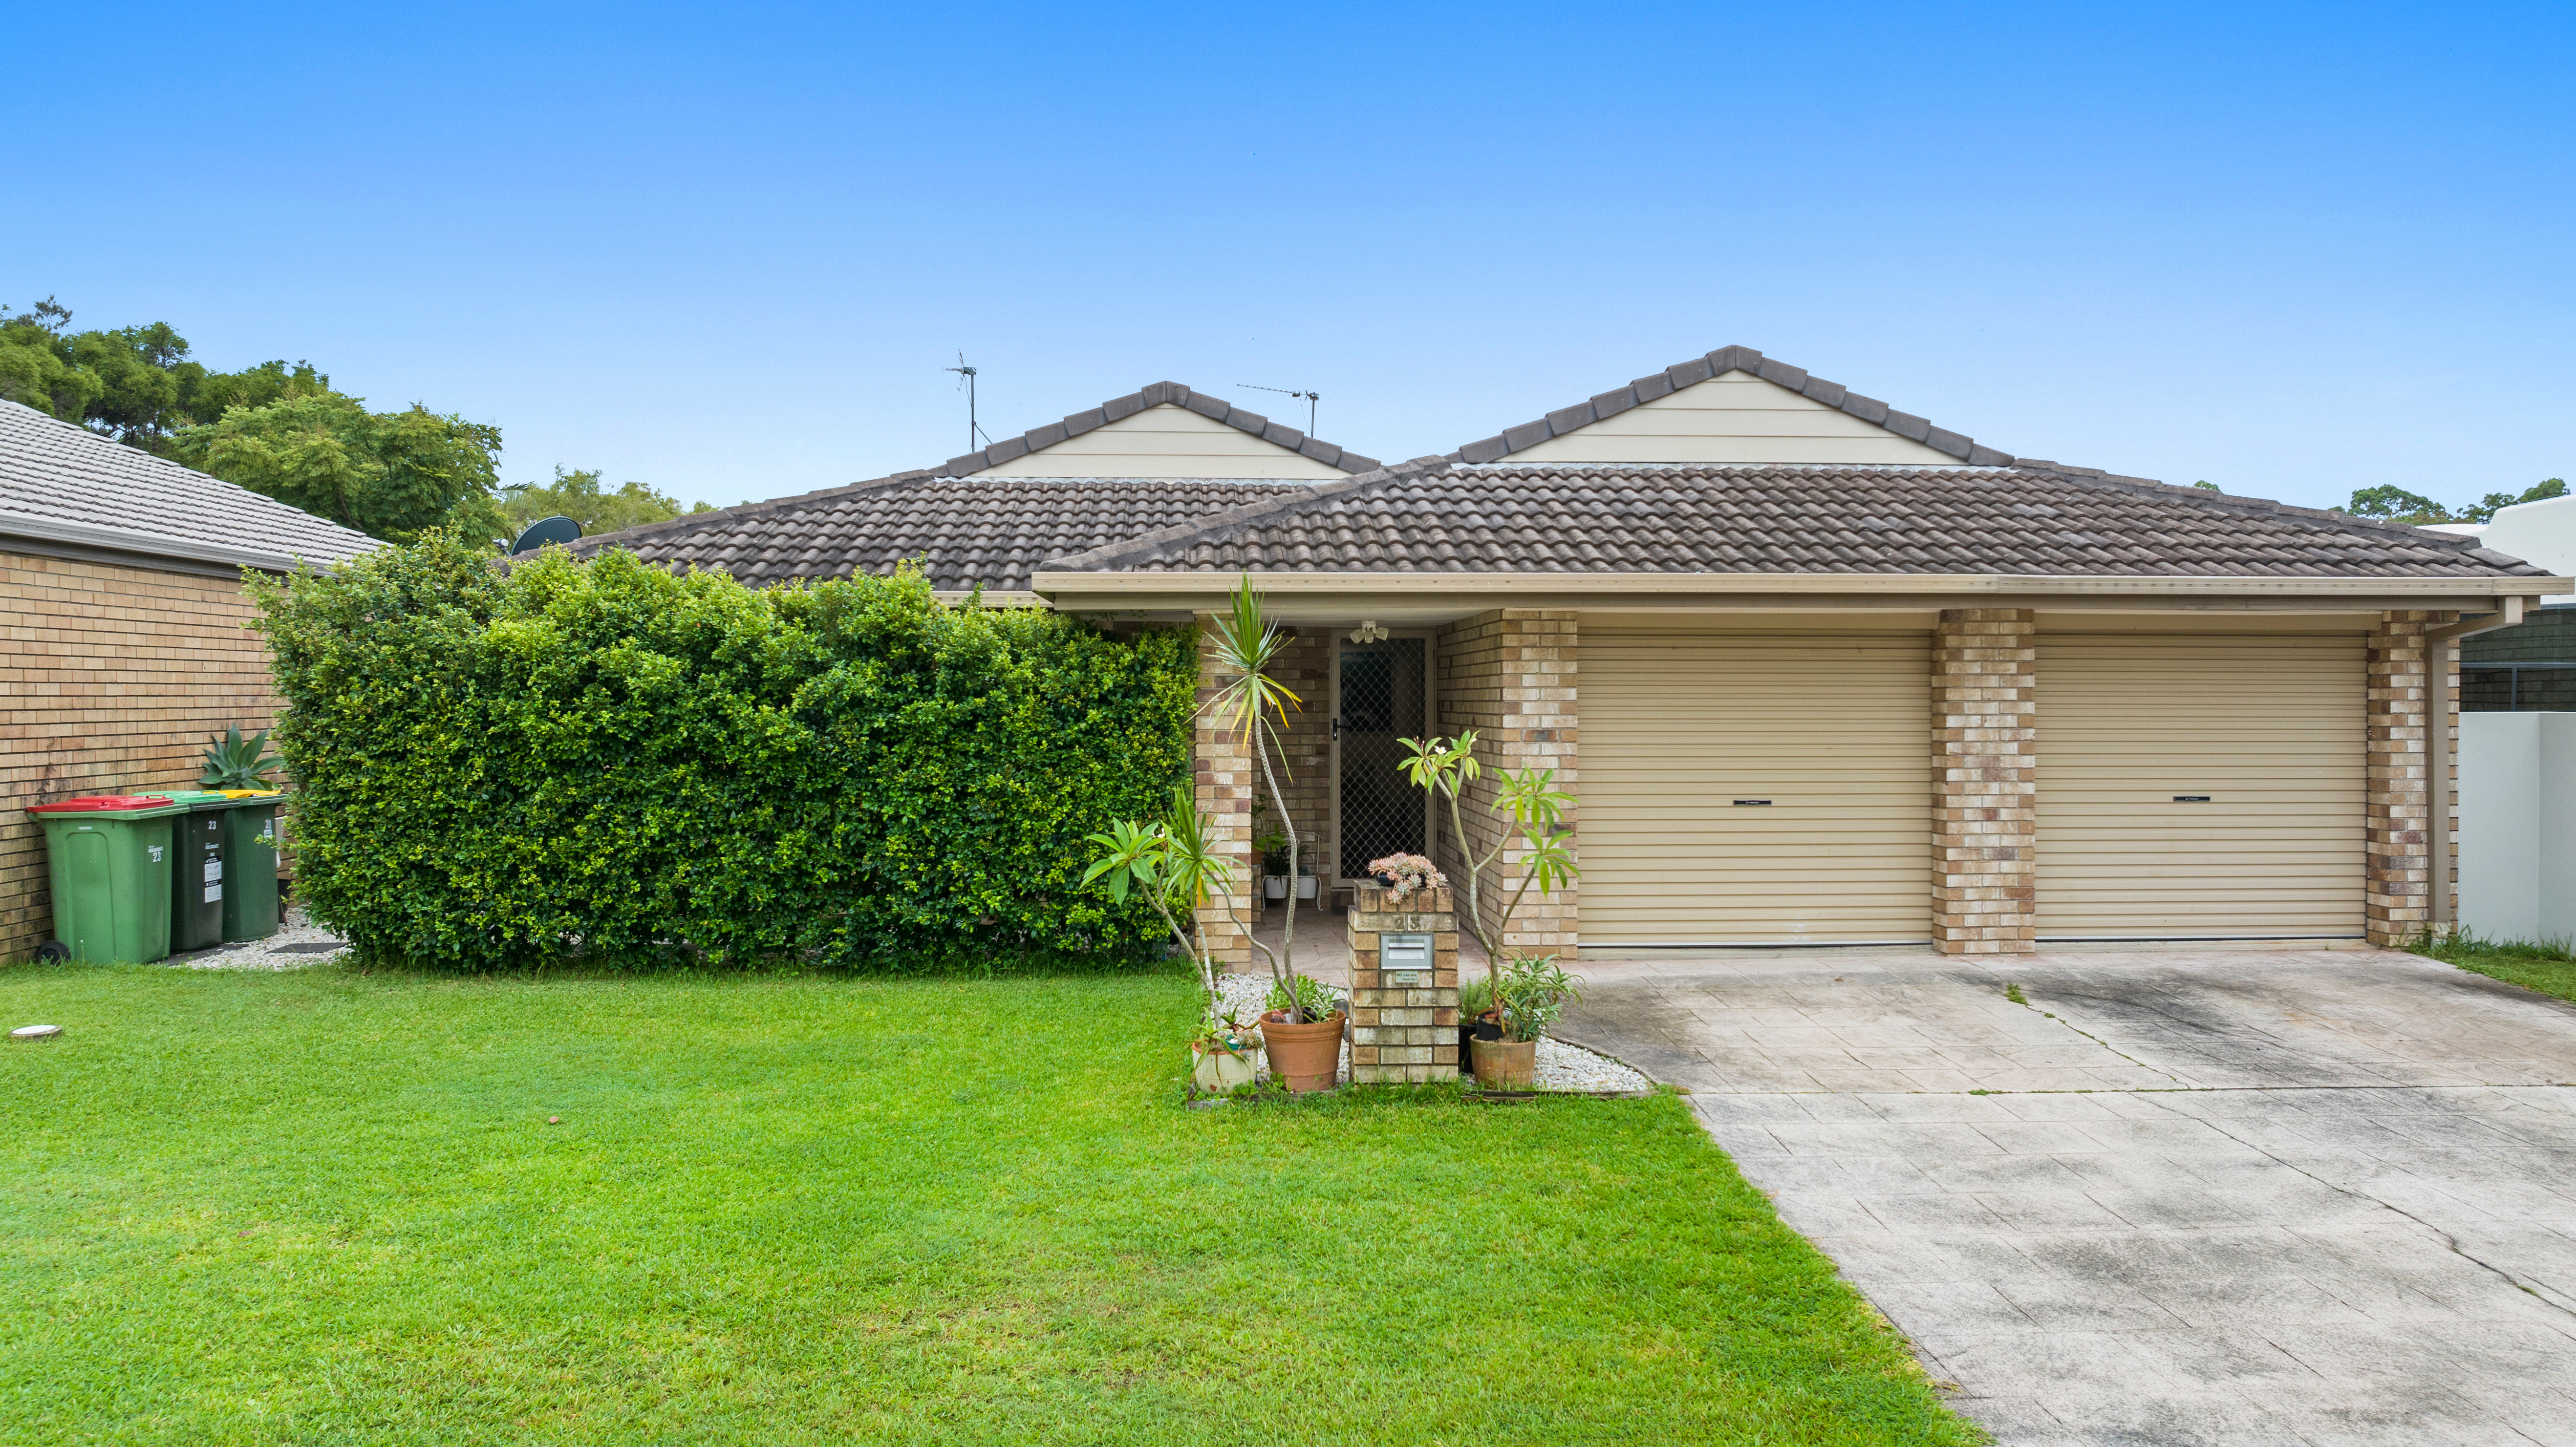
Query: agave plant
[[238, 763]]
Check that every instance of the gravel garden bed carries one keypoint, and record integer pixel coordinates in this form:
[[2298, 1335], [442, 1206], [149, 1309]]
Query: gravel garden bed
[[297, 943], [1561, 1067]]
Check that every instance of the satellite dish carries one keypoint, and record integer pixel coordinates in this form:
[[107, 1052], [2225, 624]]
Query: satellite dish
[[543, 531]]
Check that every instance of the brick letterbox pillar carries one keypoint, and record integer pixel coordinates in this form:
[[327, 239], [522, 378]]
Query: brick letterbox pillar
[[1404, 986]]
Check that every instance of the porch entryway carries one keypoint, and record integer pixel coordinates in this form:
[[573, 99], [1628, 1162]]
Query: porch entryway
[[1381, 696]]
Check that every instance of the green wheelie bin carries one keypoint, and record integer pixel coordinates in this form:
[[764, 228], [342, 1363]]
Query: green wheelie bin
[[197, 870], [250, 863], [110, 860]]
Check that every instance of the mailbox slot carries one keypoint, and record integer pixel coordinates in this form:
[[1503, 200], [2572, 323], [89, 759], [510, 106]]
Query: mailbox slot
[[1405, 961]]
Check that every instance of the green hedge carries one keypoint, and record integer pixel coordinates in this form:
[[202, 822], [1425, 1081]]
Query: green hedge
[[493, 766]]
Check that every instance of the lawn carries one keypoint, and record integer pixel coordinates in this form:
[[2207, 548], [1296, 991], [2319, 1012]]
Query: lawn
[[329, 1206], [2548, 968]]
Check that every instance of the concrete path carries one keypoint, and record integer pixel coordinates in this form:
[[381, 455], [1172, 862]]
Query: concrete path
[[2231, 1197]]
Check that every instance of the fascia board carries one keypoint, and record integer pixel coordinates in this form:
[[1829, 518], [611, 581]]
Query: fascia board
[[1976, 585], [127, 540]]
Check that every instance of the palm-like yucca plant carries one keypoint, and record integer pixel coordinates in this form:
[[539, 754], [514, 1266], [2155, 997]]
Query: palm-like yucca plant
[[238, 763], [1168, 861], [1536, 807], [1253, 705]]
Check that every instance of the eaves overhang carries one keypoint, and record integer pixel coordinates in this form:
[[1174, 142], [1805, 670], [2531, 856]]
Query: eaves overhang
[[1158, 583], [151, 545]]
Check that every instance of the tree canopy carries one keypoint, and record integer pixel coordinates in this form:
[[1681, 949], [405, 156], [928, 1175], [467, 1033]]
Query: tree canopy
[[391, 475], [281, 429], [2396, 504], [581, 496]]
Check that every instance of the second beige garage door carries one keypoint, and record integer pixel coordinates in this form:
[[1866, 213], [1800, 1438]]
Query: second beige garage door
[[1753, 788], [2201, 786]]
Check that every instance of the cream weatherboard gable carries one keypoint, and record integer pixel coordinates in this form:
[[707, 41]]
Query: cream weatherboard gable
[[1736, 419], [1733, 407], [1167, 441], [1163, 430]]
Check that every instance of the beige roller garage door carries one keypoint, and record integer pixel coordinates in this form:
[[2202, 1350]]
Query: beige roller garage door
[[2136, 731], [1682, 721]]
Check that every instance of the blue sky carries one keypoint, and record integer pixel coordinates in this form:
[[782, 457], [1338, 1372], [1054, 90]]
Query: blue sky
[[726, 250]]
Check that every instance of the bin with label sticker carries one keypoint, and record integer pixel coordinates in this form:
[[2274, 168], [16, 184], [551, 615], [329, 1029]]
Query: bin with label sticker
[[197, 872], [109, 858], [250, 863]]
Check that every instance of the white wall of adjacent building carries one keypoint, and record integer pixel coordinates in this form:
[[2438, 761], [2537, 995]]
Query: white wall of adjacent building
[[1737, 419], [2542, 533], [2518, 825]]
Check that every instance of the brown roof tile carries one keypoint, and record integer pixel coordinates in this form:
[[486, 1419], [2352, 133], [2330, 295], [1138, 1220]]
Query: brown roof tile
[[1432, 515], [988, 532]]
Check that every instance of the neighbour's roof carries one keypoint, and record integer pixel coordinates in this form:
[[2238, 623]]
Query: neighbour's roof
[[1433, 515], [987, 532], [1155, 395], [66, 485], [1718, 363]]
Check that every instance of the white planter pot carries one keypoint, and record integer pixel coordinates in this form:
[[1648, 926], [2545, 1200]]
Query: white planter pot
[[1274, 886], [1218, 1072], [1306, 886]]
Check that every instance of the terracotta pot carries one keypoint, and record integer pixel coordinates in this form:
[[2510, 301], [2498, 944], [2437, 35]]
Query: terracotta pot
[[1309, 1056], [1219, 1071], [1505, 1064]]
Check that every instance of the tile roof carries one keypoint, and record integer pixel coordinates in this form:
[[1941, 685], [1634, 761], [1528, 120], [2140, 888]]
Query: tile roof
[[991, 532], [67, 484], [1700, 369], [1214, 408], [1432, 515]]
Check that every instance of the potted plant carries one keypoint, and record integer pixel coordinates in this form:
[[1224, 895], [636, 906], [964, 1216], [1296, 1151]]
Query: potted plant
[[1273, 849], [1532, 994], [1226, 1054], [1301, 1027], [1406, 875], [1532, 809]]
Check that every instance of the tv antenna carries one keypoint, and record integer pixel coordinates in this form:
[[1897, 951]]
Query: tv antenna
[[966, 379], [1311, 399]]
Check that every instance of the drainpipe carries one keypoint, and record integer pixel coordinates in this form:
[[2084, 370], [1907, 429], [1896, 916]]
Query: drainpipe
[[2443, 720]]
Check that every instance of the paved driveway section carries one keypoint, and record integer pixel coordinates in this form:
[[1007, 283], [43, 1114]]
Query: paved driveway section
[[2232, 1197]]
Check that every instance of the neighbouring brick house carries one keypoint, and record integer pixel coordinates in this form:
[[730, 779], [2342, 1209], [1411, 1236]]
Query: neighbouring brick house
[[125, 648], [1817, 671]]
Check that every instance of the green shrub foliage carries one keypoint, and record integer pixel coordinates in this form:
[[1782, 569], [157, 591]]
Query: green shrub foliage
[[495, 767]]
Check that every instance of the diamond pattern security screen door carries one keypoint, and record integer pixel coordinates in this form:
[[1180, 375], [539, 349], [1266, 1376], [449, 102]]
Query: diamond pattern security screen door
[[1381, 700]]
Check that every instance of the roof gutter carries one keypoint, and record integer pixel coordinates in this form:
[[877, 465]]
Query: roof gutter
[[155, 545], [1196, 581]]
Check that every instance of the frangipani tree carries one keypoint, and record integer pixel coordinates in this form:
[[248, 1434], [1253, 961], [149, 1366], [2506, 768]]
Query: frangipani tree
[[1168, 861], [1535, 808]]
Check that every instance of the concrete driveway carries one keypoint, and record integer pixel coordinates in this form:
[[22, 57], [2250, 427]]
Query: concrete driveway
[[2222, 1196]]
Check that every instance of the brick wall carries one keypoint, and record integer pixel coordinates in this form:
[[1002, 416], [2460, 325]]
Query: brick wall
[[1985, 781], [111, 679], [1510, 675], [2400, 831]]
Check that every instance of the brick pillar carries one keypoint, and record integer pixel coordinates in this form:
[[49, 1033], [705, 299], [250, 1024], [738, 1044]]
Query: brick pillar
[[1404, 1027], [2400, 831], [1539, 730], [1225, 776], [1984, 781]]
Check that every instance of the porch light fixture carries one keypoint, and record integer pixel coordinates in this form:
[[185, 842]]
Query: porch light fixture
[[1368, 632]]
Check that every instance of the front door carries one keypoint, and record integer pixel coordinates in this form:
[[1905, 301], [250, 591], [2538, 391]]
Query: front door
[[1381, 696]]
